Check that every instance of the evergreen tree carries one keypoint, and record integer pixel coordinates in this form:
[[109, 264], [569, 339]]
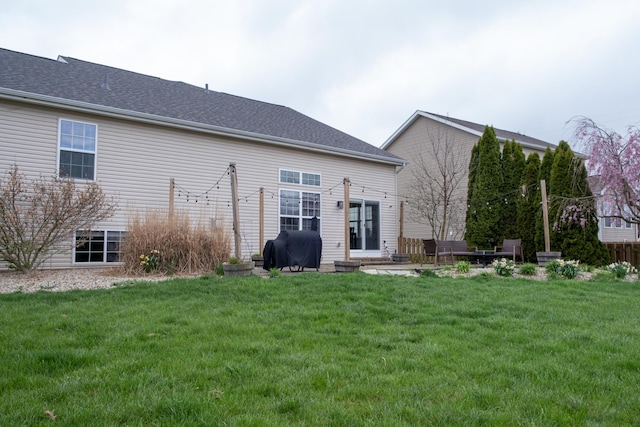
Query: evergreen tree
[[513, 162], [573, 211], [484, 213], [528, 207], [543, 174], [471, 217]]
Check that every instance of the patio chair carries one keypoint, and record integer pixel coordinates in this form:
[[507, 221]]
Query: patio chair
[[510, 248], [429, 247]]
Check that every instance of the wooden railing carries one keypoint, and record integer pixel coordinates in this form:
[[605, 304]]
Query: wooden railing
[[627, 251]]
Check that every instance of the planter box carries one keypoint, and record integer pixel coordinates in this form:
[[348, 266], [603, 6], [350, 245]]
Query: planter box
[[400, 257], [545, 257], [257, 260], [240, 269], [346, 266]]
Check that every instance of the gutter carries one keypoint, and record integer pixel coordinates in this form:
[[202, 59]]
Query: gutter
[[86, 107]]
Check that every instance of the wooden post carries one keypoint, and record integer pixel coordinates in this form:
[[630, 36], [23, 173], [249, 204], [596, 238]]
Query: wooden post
[[347, 231], [261, 239], [236, 211], [401, 249], [545, 216], [172, 193]]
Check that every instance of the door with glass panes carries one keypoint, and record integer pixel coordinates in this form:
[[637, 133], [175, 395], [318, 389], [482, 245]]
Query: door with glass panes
[[364, 227]]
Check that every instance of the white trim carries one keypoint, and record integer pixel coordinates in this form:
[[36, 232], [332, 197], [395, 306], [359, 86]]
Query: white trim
[[95, 149]]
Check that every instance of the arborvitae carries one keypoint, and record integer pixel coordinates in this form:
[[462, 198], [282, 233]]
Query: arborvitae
[[484, 213], [573, 211], [528, 207], [513, 162], [543, 174], [471, 217]]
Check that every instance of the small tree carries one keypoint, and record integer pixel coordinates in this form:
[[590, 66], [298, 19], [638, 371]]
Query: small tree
[[573, 210], [436, 184], [38, 217], [616, 159]]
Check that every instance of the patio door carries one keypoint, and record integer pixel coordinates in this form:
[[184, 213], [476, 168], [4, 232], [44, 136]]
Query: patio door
[[364, 227]]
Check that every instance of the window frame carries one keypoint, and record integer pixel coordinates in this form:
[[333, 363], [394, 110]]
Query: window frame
[[83, 151], [299, 216], [106, 251], [298, 178]]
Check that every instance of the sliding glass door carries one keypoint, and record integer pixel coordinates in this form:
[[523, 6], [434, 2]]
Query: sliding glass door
[[364, 227]]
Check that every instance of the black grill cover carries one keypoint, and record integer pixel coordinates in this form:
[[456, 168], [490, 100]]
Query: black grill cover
[[293, 248]]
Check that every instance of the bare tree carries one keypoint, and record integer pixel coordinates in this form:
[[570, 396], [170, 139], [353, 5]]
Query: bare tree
[[38, 217], [436, 185]]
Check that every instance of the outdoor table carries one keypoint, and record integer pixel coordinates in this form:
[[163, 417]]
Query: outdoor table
[[485, 256]]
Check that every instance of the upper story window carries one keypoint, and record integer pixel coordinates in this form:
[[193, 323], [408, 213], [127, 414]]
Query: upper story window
[[304, 178], [77, 149]]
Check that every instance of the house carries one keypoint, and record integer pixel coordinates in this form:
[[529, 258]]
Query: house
[[611, 229], [143, 138], [430, 141]]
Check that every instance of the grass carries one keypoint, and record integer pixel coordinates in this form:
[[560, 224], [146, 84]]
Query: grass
[[324, 349]]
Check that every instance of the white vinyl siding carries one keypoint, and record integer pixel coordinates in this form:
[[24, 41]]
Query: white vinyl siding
[[140, 179]]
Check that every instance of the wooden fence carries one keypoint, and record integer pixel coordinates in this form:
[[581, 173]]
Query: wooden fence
[[415, 249], [627, 251]]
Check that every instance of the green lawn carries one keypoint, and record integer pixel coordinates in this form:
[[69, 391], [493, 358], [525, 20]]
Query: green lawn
[[324, 349]]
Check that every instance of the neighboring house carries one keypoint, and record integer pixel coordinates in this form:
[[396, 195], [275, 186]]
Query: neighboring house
[[133, 133], [611, 229], [424, 137]]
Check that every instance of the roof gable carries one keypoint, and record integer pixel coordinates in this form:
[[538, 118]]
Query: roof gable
[[101, 87], [472, 128]]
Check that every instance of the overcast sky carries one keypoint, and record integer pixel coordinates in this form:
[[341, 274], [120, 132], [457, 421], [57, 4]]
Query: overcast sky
[[365, 67]]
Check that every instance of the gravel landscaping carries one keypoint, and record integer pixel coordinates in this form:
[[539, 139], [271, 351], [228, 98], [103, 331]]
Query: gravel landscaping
[[66, 280]]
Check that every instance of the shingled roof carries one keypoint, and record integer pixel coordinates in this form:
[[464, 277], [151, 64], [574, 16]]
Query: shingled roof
[[473, 128], [73, 83]]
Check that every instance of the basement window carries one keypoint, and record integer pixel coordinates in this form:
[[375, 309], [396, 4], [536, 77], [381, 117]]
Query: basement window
[[98, 246]]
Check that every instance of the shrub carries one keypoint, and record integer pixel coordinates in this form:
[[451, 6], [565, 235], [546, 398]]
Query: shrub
[[39, 218], [233, 260], [503, 266], [463, 267], [620, 270], [567, 269], [186, 246], [528, 269]]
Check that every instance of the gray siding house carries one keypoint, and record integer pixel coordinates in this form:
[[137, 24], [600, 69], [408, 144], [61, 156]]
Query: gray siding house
[[422, 139], [134, 134]]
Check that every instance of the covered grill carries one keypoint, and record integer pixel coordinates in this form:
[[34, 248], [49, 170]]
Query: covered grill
[[293, 249]]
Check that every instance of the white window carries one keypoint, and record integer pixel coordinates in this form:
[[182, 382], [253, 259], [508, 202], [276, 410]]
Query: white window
[[607, 222], [77, 149], [304, 178], [98, 246], [298, 210]]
